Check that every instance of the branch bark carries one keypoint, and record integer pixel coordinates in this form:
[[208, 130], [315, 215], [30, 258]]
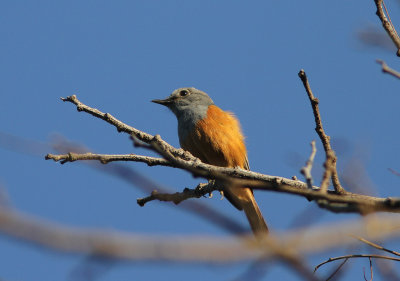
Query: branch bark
[[178, 158], [107, 158], [177, 197], [330, 164], [387, 25]]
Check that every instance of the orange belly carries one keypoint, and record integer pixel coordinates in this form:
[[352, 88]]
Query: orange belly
[[218, 140]]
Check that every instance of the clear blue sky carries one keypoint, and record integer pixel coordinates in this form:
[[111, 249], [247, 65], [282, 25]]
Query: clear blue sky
[[119, 55]]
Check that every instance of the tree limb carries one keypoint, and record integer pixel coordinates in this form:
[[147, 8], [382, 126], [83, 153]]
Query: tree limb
[[345, 202], [107, 158], [330, 164], [387, 25], [200, 191], [206, 249]]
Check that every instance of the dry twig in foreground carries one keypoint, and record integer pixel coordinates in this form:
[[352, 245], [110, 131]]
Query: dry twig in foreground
[[122, 245]]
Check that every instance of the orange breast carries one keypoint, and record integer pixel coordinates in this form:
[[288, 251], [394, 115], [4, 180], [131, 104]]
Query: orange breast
[[218, 140]]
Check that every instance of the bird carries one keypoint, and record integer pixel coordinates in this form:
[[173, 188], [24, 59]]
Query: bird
[[215, 137]]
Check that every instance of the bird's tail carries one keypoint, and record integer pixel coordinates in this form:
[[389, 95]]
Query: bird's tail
[[243, 199], [255, 218]]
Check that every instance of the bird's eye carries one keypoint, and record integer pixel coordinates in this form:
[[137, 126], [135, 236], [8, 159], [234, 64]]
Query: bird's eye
[[183, 93]]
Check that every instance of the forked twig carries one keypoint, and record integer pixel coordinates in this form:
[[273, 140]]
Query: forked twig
[[330, 164]]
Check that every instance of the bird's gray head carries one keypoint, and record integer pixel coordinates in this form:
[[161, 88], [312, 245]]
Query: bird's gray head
[[187, 101]]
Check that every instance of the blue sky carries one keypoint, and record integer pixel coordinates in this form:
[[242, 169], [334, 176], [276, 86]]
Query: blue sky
[[119, 55]]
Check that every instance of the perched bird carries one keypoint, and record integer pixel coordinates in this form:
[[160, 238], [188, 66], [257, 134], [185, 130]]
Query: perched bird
[[214, 136]]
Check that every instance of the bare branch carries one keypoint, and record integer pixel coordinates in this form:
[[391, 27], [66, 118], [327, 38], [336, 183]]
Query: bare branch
[[387, 25], [387, 69], [376, 246], [106, 158], [336, 270], [200, 191], [119, 245], [330, 168], [121, 127], [147, 185], [330, 154], [306, 170], [128, 174], [348, 202], [345, 202], [370, 268], [355, 256]]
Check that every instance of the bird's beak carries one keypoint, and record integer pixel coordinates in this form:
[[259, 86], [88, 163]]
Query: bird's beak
[[165, 102]]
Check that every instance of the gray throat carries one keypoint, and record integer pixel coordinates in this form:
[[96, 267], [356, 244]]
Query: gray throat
[[188, 119]]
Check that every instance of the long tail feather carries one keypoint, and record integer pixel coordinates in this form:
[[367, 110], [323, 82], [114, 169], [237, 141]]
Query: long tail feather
[[255, 218]]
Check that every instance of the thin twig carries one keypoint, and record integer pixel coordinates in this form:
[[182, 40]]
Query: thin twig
[[200, 191], [306, 170], [325, 139], [336, 270], [329, 170], [388, 16], [370, 268], [387, 69], [391, 31], [106, 158], [121, 127], [376, 246], [355, 256]]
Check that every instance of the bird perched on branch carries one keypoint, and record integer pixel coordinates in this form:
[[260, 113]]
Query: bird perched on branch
[[214, 136]]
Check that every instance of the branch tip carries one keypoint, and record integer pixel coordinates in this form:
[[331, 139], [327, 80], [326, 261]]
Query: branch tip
[[387, 69], [330, 164], [306, 170], [387, 24]]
